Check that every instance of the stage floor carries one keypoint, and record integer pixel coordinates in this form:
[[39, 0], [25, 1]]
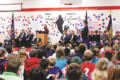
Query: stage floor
[[27, 49]]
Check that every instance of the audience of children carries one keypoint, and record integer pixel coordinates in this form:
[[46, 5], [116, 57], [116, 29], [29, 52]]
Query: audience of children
[[59, 61]]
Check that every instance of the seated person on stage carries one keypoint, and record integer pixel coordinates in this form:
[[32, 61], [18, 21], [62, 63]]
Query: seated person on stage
[[16, 37], [8, 39], [73, 38], [116, 38], [91, 37], [64, 38], [69, 34], [96, 38], [104, 38], [29, 38], [22, 38], [78, 37], [35, 38]]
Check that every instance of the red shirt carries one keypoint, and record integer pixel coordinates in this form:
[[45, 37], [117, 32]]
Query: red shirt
[[31, 63], [87, 67]]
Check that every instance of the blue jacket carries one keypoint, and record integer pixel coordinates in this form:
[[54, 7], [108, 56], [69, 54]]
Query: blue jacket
[[30, 36], [2, 61], [55, 71], [61, 63], [95, 60], [79, 55], [78, 38], [85, 32], [50, 53]]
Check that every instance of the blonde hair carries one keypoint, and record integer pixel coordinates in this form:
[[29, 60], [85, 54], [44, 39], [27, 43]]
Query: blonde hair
[[14, 56], [60, 52], [52, 60], [100, 71], [88, 55], [84, 45], [22, 55], [98, 53], [116, 48], [50, 44]]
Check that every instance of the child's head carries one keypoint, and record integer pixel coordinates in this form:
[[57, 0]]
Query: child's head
[[33, 53], [44, 53], [2, 53], [52, 60], [9, 49], [14, 56], [94, 52], [44, 63], [114, 72], [76, 60], [118, 56], [50, 44], [102, 64], [101, 69], [74, 45], [40, 55], [68, 62], [13, 66], [55, 46], [60, 52], [44, 46], [48, 48], [82, 49], [74, 72], [22, 55], [77, 50], [108, 55], [36, 74], [88, 55], [98, 53], [67, 51], [0, 44]]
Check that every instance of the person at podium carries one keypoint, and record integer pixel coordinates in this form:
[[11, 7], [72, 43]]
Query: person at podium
[[46, 29]]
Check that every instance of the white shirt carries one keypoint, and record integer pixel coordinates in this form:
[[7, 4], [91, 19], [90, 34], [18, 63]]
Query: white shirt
[[8, 37], [16, 36]]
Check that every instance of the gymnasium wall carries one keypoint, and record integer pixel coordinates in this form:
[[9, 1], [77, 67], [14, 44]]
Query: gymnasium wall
[[98, 19]]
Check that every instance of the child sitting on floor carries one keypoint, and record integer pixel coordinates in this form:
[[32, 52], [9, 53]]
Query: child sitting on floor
[[54, 69]]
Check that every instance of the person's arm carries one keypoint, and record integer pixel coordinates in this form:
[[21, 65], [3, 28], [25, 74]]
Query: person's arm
[[25, 75]]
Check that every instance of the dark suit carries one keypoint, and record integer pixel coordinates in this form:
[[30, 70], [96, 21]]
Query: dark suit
[[29, 37], [23, 38], [96, 38], [91, 37], [74, 39], [85, 33], [64, 38]]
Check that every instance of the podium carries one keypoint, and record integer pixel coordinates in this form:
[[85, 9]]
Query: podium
[[43, 36]]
